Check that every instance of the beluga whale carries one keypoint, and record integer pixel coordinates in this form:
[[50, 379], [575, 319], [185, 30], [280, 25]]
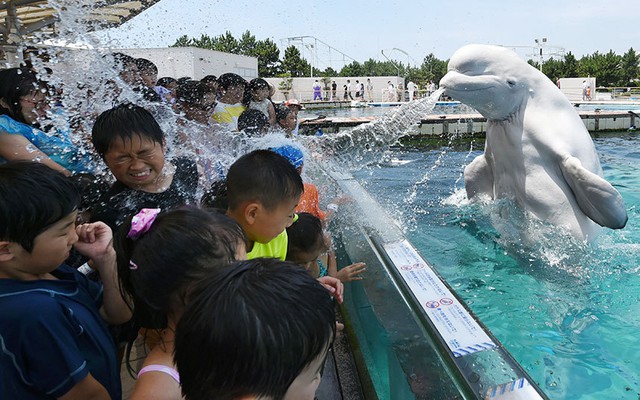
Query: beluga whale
[[538, 152]]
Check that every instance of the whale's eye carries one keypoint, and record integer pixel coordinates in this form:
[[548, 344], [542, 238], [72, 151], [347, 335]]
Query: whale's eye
[[511, 82]]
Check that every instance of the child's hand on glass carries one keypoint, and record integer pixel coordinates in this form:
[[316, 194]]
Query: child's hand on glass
[[352, 272]]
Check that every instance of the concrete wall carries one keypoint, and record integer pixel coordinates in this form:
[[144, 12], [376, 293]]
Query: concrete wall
[[572, 88], [303, 87], [196, 63]]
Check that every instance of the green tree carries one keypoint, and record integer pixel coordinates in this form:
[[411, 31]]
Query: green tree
[[433, 68], [268, 56], [294, 64], [247, 44], [352, 69], [570, 66], [182, 41], [629, 69]]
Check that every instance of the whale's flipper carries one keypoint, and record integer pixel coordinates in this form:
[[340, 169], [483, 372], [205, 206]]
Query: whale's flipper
[[596, 197], [478, 178]]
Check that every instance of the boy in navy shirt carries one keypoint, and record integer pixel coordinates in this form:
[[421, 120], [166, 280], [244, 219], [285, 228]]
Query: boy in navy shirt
[[53, 325]]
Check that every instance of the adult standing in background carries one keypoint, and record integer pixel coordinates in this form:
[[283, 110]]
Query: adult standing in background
[[334, 90], [411, 88], [369, 90], [349, 90]]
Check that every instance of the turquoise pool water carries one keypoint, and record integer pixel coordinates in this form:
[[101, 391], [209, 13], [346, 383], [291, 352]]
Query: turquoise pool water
[[568, 312]]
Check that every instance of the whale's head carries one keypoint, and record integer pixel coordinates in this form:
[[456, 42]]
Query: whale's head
[[491, 79]]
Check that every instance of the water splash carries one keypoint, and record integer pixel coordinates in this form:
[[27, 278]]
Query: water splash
[[369, 143]]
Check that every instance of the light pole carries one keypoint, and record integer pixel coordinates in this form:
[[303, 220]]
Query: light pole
[[539, 44]]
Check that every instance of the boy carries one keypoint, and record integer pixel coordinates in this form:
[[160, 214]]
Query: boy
[[255, 352], [263, 190], [132, 144], [53, 322]]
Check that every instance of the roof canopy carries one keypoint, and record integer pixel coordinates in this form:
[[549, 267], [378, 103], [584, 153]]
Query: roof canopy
[[22, 18]]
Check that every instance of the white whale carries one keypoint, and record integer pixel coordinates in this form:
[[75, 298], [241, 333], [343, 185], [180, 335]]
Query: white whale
[[538, 152]]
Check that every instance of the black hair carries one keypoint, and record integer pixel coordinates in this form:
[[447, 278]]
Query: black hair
[[282, 111], [120, 61], [14, 84], [305, 235], [180, 247], [252, 121], [264, 320], [216, 196], [191, 92], [230, 79], [254, 84], [263, 176], [146, 65], [183, 79], [32, 198], [124, 121], [209, 79], [166, 81]]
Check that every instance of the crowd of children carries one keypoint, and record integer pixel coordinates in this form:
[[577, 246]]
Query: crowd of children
[[88, 263]]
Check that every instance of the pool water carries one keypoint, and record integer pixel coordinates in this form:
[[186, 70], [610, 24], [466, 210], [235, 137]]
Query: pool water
[[568, 312]]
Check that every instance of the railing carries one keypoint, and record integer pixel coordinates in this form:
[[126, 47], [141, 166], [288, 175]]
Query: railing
[[380, 95]]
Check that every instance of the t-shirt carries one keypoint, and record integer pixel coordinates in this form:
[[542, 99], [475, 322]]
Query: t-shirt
[[276, 248], [57, 145], [309, 201], [122, 201], [52, 337], [227, 115], [262, 106]]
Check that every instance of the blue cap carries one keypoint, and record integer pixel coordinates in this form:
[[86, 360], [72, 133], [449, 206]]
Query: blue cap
[[293, 154]]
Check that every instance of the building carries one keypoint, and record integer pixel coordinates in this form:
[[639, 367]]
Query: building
[[177, 62]]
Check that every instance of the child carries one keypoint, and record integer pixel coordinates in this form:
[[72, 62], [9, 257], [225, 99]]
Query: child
[[133, 146], [307, 242], [229, 107], [257, 98], [309, 201], [54, 338], [286, 119], [258, 329], [253, 122], [263, 190], [23, 105], [150, 247]]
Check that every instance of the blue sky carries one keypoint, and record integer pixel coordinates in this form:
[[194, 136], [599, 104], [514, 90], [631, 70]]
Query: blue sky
[[361, 29]]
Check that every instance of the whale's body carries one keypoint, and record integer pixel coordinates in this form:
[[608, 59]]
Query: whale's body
[[538, 152]]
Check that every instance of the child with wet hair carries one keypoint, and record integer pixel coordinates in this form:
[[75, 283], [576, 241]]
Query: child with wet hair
[[160, 257], [257, 97], [230, 344], [133, 147], [24, 104], [53, 324], [263, 190], [307, 242], [253, 122], [231, 89]]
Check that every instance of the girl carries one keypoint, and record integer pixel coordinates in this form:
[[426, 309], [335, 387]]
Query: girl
[[160, 256], [257, 97], [307, 242], [23, 106], [231, 88]]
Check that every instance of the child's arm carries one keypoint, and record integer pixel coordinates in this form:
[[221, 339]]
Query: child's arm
[[272, 114], [346, 274], [19, 148], [351, 272], [87, 389], [334, 286], [96, 242]]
